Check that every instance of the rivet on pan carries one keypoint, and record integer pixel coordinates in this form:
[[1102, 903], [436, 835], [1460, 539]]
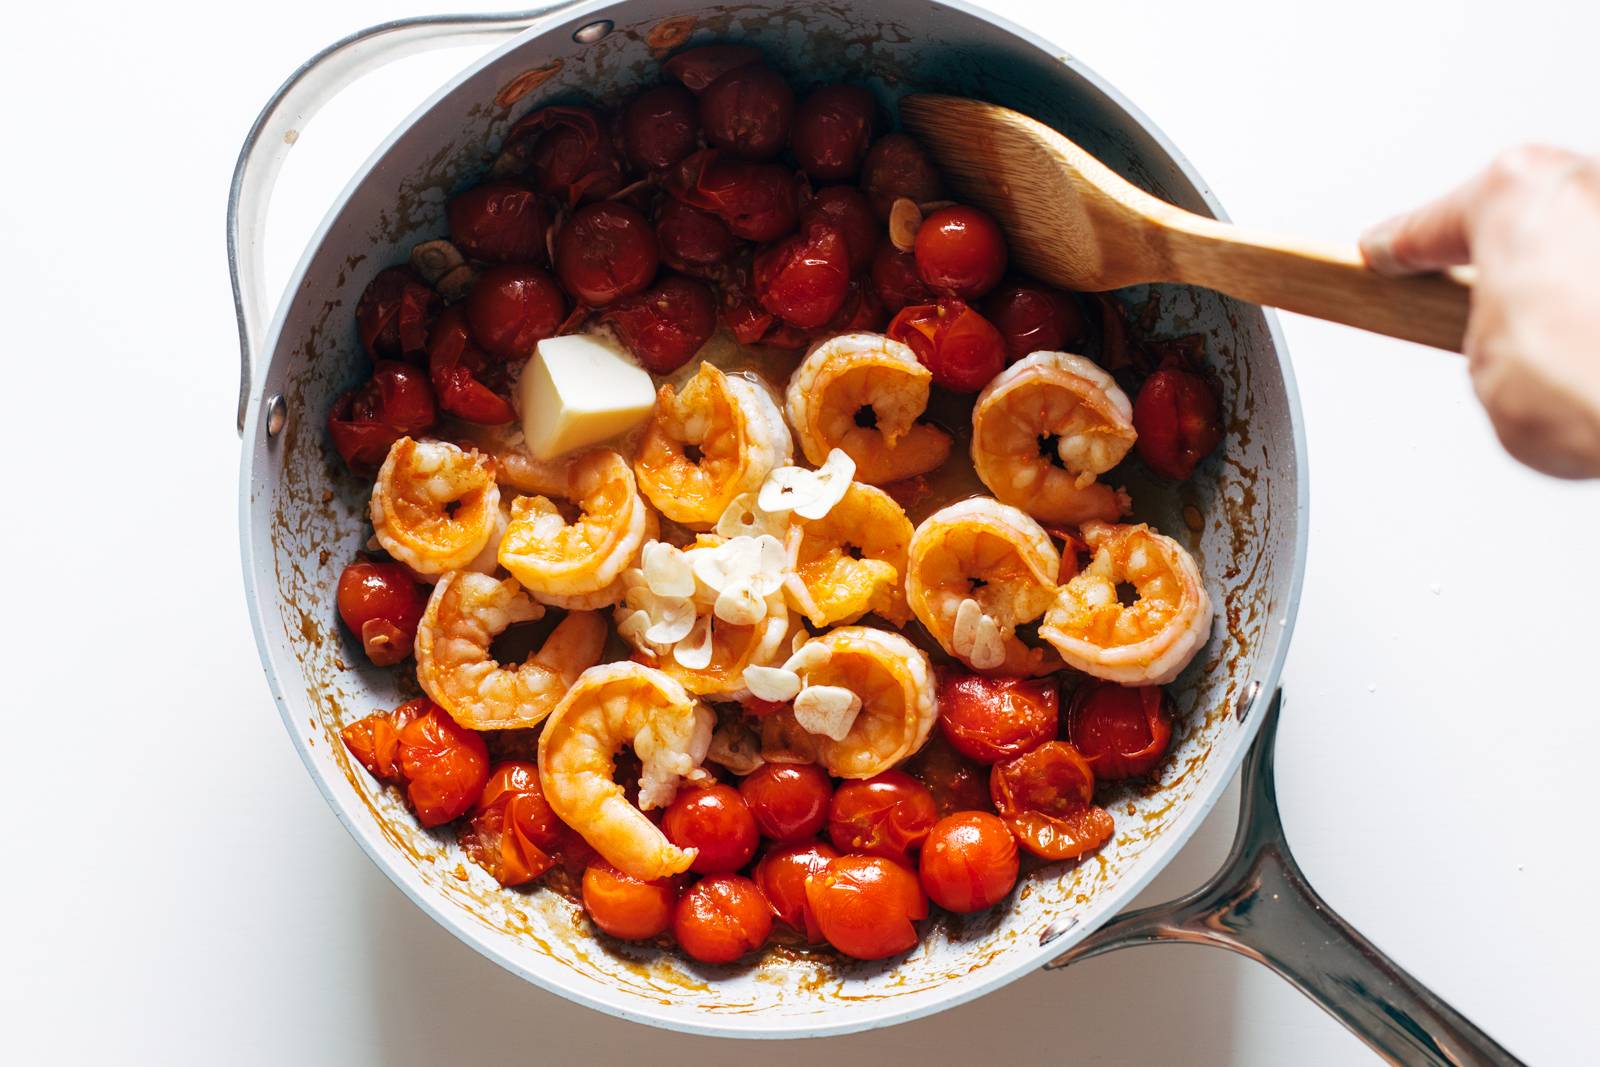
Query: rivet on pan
[[1055, 930], [593, 32], [1241, 710], [277, 414]]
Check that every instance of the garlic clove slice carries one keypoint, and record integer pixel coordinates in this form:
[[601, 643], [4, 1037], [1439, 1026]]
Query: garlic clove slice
[[772, 683], [666, 570], [829, 710]]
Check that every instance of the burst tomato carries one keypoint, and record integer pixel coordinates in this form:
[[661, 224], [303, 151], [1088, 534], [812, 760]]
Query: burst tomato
[[788, 800], [698, 67], [566, 152], [395, 402], [513, 307], [381, 604], [969, 862], [992, 719], [781, 875], [865, 906], [715, 820], [1179, 421], [960, 346], [692, 241], [499, 223], [665, 325], [468, 386], [961, 251], [804, 279], [887, 815], [659, 127], [393, 314], [1034, 318], [626, 907], [956, 782], [895, 280], [746, 112], [445, 766], [606, 251], [861, 311], [833, 128], [721, 918], [1122, 731], [375, 740], [847, 208], [897, 166], [756, 201], [1046, 797], [512, 827]]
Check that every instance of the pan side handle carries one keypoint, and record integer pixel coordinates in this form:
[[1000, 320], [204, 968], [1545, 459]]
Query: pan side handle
[[1260, 905]]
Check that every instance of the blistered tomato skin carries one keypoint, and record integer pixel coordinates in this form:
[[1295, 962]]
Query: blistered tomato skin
[[1122, 731], [833, 128], [375, 740], [961, 251], [898, 166], [445, 766], [1179, 422], [1035, 318], [969, 862], [756, 201], [512, 826], [396, 401], [721, 918], [659, 127], [847, 208], [566, 152], [747, 111], [956, 782], [962, 349], [865, 906], [393, 314], [804, 279], [716, 821], [698, 67], [1046, 797], [625, 907], [788, 800], [886, 815], [381, 604], [692, 241], [781, 875], [513, 307], [993, 719], [665, 325], [498, 222], [606, 251], [467, 384]]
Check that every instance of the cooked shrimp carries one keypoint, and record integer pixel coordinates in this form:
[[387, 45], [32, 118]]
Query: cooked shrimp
[[850, 561], [733, 648], [552, 557], [978, 569], [607, 707], [1067, 404], [434, 506], [863, 393], [737, 432], [1147, 642], [466, 612], [514, 466]]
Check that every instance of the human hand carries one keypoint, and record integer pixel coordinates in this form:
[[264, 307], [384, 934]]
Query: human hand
[[1530, 225]]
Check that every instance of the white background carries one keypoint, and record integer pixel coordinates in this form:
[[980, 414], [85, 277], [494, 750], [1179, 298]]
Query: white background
[[177, 892]]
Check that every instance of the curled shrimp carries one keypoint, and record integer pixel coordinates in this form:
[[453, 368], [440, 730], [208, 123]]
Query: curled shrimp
[[434, 506], [734, 430], [554, 558], [607, 707], [850, 561], [1147, 642], [1064, 402], [466, 612], [863, 393], [978, 569]]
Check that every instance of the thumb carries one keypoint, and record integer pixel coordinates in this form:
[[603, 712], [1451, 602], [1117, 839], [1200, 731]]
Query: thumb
[[1432, 237]]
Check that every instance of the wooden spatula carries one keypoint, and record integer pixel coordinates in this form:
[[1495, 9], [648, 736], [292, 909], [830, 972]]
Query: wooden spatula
[[1072, 222]]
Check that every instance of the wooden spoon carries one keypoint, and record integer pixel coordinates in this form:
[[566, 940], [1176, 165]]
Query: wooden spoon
[[1071, 221]]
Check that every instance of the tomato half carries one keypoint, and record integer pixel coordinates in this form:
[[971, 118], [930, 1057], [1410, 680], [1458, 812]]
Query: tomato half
[[1046, 797]]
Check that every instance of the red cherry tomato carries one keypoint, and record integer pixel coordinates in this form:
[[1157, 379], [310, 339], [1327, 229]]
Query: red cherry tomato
[[804, 279], [960, 250], [865, 906], [716, 820], [993, 719], [956, 782], [756, 201], [741, 312], [512, 308], [861, 310], [969, 862], [375, 740], [444, 766], [381, 604], [1178, 420], [692, 241], [887, 815], [606, 251], [897, 166], [781, 876], [626, 907], [467, 385], [512, 826], [395, 402], [832, 129], [499, 223], [1122, 732], [721, 918], [698, 67], [1034, 318], [848, 208], [566, 152], [393, 313], [659, 127], [789, 800], [1046, 797], [960, 346], [665, 325], [746, 112], [895, 279]]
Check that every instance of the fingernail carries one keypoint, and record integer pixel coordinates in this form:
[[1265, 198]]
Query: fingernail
[[1377, 246]]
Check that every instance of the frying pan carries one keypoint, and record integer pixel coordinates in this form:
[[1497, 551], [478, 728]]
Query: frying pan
[[301, 517]]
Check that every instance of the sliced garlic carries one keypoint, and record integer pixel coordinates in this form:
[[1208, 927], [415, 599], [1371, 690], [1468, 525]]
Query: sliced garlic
[[671, 619], [744, 517], [633, 627], [694, 651], [988, 647], [666, 571], [808, 657], [740, 605], [966, 628], [809, 494], [905, 219], [829, 710], [771, 683]]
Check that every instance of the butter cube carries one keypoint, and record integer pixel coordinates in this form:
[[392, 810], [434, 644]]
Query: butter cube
[[578, 390]]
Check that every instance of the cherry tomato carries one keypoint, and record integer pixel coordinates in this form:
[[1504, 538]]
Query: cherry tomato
[[512, 308], [716, 820], [789, 800], [887, 815], [499, 223], [659, 127], [960, 250], [865, 906], [626, 907], [692, 241], [375, 740], [512, 826], [393, 313], [741, 312], [721, 918], [566, 152], [993, 719], [1178, 420], [847, 208], [897, 166], [756, 201], [969, 862], [861, 311], [606, 251], [698, 67], [381, 604], [1034, 318], [746, 112], [803, 279], [1046, 797], [956, 782], [445, 766], [395, 402], [1122, 732], [462, 374], [895, 279], [665, 325], [960, 346], [781, 876], [832, 129]]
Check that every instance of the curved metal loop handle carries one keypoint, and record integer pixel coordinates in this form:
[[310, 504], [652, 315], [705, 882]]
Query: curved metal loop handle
[[318, 80], [1259, 905]]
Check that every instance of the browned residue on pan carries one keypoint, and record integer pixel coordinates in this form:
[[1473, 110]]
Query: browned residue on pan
[[668, 34], [525, 83]]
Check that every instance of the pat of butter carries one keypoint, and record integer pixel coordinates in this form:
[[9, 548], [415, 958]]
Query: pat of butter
[[578, 390]]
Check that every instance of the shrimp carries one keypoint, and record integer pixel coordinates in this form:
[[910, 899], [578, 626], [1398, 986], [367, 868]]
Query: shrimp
[[607, 707], [514, 466], [850, 561], [863, 393], [978, 570], [1147, 642], [466, 612], [434, 506], [738, 433], [551, 557], [1063, 402]]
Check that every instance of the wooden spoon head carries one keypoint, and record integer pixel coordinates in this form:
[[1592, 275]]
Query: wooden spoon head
[[1069, 220]]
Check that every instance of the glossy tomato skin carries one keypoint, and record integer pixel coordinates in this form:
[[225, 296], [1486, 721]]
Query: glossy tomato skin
[[1122, 731], [865, 906], [962, 349], [1046, 797], [886, 815], [715, 820], [1179, 422], [381, 604], [395, 402], [375, 740], [993, 719], [659, 127], [512, 307], [566, 153], [896, 166], [512, 827], [1035, 318], [755, 201], [961, 251], [781, 875], [698, 67], [847, 208], [467, 384], [394, 312], [498, 222], [803, 279], [445, 766], [895, 279], [956, 782], [606, 251], [969, 862], [692, 241], [665, 325], [747, 111], [833, 129], [721, 918], [788, 800], [861, 311], [628, 908]]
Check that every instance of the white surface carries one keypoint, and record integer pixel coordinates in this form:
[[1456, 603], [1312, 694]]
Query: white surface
[[186, 897]]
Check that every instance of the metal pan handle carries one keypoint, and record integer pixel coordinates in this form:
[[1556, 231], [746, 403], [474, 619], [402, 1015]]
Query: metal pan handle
[[1259, 905], [318, 80]]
